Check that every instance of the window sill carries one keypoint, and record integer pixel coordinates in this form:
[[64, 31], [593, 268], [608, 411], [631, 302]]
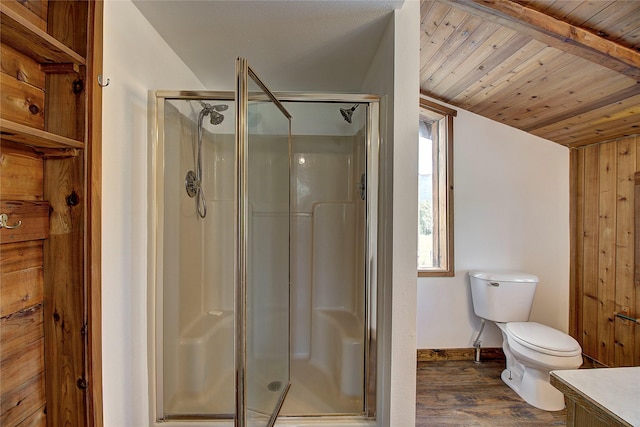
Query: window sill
[[436, 273]]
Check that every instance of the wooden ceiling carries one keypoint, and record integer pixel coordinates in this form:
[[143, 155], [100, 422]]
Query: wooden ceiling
[[567, 71]]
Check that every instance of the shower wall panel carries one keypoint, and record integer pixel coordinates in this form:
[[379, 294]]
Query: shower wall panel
[[328, 283], [326, 241]]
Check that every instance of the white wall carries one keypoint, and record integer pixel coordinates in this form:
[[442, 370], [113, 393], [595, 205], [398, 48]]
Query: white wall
[[395, 72], [136, 59], [511, 212]]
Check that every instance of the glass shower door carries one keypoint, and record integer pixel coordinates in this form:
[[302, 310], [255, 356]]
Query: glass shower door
[[263, 133]]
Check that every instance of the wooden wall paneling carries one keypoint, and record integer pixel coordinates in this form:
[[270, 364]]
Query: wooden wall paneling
[[21, 176], [576, 201], [65, 14], [61, 97], [93, 368], [21, 385], [33, 218], [20, 256], [64, 293], [606, 252], [61, 64], [21, 277], [26, 402], [636, 352], [21, 102], [36, 11], [21, 67], [624, 287], [20, 290], [24, 327], [590, 238]]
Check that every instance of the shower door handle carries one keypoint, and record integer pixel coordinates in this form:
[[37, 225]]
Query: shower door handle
[[363, 186]]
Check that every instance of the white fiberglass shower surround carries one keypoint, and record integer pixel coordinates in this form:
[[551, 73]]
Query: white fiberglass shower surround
[[311, 206]]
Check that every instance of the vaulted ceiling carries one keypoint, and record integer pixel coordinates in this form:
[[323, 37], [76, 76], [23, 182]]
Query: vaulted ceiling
[[567, 71]]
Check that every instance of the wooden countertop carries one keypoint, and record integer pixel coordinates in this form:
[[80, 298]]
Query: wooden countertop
[[613, 391]]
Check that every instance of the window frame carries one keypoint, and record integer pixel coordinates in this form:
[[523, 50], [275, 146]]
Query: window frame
[[443, 197]]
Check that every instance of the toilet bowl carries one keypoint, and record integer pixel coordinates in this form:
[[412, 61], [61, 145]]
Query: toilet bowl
[[531, 349]]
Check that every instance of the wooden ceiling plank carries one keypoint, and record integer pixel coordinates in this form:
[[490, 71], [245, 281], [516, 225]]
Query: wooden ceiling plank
[[434, 34], [450, 47], [476, 69], [474, 58], [562, 35], [545, 113], [617, 19], [613, 109], [433, 15], [625, 114], [522, 85], [495, 75], [612, 18], [432, 38], [503, 85], [629, 34], [480, 44], [597, 104], [576, 12], [425, 10], [558, 9], [589, 136], [627, 125], [563, 91]]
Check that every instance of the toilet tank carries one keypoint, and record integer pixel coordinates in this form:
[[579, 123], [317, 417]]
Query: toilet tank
[[502, 297]]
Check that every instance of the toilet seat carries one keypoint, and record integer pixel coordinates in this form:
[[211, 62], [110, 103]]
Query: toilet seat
[[543, 339]]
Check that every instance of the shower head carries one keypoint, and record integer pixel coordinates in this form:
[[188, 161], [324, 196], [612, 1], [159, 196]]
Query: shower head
[[216, 118], [347, 113], [213, 110]]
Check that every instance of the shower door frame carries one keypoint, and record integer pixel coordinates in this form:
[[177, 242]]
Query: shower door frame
[[373, 144]]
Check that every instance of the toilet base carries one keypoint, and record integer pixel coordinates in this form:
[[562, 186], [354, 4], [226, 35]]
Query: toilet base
[[534, 387]]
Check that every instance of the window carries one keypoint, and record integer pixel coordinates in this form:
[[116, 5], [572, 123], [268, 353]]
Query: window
[[435, 190]]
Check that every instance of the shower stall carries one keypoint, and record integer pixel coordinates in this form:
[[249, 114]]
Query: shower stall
[[295, 218]]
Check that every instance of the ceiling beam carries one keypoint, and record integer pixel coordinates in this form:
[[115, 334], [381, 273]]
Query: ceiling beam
[[556, 33]]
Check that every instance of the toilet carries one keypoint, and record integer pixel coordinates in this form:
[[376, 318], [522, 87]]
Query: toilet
[[531, 349]]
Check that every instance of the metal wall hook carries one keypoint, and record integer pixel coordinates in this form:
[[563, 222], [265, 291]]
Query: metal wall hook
[[4, 218], [100, 82]]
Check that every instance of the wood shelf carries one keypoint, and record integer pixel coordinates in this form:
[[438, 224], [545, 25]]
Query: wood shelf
[[26, 135], [17, 32]]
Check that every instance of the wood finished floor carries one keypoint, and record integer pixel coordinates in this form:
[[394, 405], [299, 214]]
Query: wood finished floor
[[463, 393]]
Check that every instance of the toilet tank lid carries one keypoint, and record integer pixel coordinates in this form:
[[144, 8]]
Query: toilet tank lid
[[504, 276], [543, 338]]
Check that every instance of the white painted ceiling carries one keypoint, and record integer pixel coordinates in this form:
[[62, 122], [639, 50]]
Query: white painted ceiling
[[293, 45]]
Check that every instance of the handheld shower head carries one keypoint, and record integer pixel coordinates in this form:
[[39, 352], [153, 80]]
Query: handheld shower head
[[213, 110], [216, 118], [347, 113]]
